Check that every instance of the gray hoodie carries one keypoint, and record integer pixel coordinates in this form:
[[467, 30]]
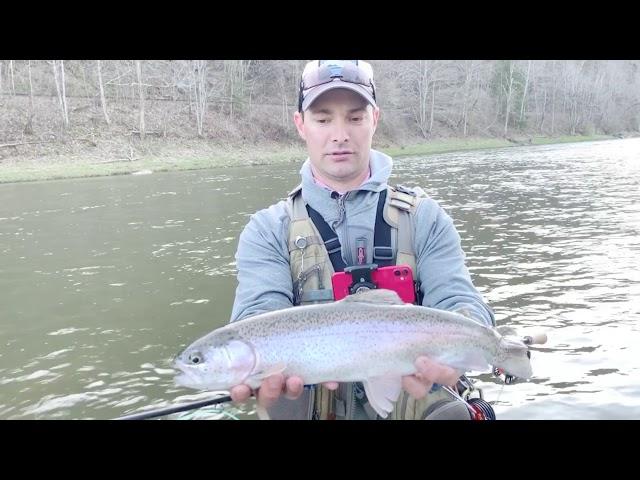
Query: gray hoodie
[[264, 274]]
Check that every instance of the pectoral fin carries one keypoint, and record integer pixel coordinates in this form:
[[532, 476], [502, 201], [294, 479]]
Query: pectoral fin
[[468, 361], [383, 392]]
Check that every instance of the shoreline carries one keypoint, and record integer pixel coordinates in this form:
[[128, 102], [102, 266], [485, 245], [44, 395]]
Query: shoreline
[[166, 159]]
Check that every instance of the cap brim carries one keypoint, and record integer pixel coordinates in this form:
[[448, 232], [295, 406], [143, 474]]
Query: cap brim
[[315, 92]]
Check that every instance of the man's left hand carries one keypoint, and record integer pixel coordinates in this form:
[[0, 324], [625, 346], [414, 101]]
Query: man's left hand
[[429, 372]]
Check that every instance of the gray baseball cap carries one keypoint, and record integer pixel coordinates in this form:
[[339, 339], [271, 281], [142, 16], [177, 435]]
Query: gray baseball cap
[[320, 76]]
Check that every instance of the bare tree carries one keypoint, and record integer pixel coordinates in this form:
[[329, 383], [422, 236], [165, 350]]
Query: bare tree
[[235, 83], [433, 103], [420, 98], [507, 87], [284, 91], [30, 87], [28, 129], [464, 116], [541, 112], [102, 100], [13, 86], [58, 75], [524, 93], [418, 78], [199, 70], [574, 80], [553, 96], [422, 87], [141, 96]]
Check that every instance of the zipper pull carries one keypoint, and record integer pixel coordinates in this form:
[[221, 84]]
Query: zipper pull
[[341, 210]]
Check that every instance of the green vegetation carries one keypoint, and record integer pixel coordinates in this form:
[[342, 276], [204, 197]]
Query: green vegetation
[[569, 139], [446, 145], [31, 170]]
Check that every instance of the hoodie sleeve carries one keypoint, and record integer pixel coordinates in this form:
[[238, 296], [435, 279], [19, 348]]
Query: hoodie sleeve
[[440, 261], [262, 259]]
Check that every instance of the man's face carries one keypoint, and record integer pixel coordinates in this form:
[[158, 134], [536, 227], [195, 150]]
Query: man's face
[[338, 129]]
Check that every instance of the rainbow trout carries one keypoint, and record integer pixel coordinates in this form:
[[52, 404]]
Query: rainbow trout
[[371, 337]]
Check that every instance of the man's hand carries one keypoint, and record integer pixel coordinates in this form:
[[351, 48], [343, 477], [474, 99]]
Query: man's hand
[[429, 372], [417, 385], [272, 387]]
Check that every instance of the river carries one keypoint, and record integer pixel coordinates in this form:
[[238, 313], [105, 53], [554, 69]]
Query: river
[[104, 280]]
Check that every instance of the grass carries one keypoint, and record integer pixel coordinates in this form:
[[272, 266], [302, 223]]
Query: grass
[[30, 170], [459, 144], [25, 170], [446, 145], [570, 139]]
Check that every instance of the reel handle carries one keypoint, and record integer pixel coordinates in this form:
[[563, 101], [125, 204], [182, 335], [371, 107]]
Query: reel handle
[[537, 339]]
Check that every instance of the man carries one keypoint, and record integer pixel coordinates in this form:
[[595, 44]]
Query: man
[[342, 182]]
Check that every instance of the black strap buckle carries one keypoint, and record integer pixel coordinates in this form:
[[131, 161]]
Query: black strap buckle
[[333, 245], [383, 253]]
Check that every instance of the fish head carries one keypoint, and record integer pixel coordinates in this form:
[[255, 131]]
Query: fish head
[[215, 365], [514, 358]]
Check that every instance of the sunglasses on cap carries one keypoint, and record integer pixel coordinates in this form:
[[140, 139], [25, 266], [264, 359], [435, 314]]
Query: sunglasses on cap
[[327, 71]]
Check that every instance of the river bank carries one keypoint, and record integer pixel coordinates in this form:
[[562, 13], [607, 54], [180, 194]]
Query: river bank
[[163, 155]]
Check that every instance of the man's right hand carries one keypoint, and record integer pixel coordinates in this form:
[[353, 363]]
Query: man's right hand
[[271, 388]]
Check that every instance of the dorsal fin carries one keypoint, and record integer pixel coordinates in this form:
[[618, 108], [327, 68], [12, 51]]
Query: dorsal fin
[[381, 296]]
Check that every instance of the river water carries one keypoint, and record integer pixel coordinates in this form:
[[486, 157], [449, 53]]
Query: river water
[[103, 281]]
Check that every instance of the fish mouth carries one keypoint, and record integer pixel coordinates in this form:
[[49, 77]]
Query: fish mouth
[[183, 380], [186, 377], [191, 377]]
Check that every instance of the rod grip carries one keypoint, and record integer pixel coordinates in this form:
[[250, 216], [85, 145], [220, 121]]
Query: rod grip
[[537, 339]]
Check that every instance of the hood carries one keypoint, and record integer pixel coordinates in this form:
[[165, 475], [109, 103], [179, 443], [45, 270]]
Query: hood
[[319, 198]]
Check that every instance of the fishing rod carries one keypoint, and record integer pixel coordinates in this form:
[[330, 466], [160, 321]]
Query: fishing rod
[[159, 412]]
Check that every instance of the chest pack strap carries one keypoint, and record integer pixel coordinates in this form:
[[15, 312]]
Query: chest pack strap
[[331, 242], [382, 251]]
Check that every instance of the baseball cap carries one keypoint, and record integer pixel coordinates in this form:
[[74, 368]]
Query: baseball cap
[[320, 76]]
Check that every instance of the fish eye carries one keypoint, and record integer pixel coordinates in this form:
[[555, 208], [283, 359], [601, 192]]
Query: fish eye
[[195, 357]]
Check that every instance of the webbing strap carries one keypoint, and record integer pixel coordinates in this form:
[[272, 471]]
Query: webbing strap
[[382, 251], [331, 242]]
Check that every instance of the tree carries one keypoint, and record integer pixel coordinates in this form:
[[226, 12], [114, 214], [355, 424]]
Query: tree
[[103, 103], [464, 116], [470, 88], [141, 97], [523, 102], [13, 86], [420, 98], [507, 88], [422, 82], [554, 90], [199, 70], [58, 75], [234, 83], [419, 77], [28, 129]]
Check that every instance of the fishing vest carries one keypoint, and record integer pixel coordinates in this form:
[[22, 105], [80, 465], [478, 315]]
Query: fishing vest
[[312, 260]]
